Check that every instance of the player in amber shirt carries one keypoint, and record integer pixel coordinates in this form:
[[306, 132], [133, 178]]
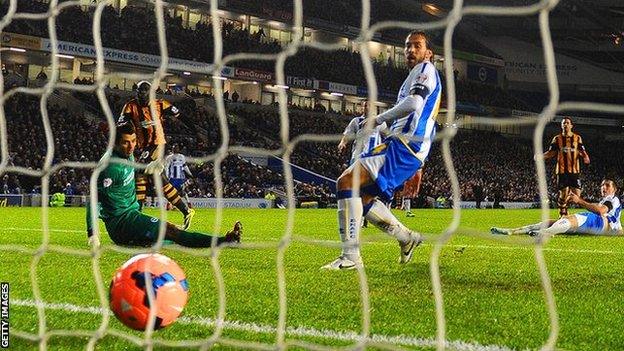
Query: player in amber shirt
[[569, 149], [150, 140]]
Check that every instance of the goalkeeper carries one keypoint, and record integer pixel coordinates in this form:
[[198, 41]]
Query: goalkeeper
[[120, 210], [150, 139]]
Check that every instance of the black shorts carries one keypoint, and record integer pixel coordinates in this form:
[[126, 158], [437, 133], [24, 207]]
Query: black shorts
[[148, 154], [568, 180]]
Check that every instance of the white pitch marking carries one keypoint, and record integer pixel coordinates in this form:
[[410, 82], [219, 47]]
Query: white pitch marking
[[301, 331]]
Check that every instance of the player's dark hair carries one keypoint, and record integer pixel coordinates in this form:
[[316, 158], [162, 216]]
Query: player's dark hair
[[612, 182], [427, 41], [568, 118], [123, 128]]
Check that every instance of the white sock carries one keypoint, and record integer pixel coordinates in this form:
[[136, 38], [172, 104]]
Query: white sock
[[407, 205], [383, 219], [526, 229], [560, 226], [349, 222]]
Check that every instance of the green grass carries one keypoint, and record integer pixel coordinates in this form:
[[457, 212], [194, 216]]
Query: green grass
[[492, 291]]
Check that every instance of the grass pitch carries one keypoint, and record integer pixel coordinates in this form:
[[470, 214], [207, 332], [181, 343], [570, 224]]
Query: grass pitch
[[492, 293]]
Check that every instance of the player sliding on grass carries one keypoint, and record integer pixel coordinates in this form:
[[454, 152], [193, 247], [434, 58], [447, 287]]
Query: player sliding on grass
[[385, 168], [119, 208], [603, 218]]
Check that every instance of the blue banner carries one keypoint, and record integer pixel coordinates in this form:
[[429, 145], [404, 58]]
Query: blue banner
[[7, 200], [302, 174], [482, 74]]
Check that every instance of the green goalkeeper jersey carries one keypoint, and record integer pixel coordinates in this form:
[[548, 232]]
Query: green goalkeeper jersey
[[116, 191]]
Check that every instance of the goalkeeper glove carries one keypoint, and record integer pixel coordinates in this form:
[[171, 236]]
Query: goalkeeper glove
[[93, 241]]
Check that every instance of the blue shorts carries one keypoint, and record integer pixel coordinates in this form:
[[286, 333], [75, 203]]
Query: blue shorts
[[390, 164], [177, 183], [594, 224]]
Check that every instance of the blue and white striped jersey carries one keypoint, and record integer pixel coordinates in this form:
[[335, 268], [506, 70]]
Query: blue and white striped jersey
[[419, 126], [615, 209], [176, 166]]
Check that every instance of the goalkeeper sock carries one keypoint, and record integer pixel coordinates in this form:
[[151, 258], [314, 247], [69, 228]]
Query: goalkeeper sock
[[560, 226], [194, 239], [407, 205], [349, 222], [172, 195], [382, 218]]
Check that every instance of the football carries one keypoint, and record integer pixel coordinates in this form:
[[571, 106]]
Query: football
[[129, 295]]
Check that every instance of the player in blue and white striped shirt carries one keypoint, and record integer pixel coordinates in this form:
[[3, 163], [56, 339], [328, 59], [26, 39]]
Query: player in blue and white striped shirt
[[355, 130], [386, 167], [177, 171], [601, 218]]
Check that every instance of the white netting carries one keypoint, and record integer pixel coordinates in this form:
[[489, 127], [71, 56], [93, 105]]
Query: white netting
[[364, 338]]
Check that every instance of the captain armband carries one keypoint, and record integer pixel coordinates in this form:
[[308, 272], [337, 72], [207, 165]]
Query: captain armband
[[419, 89]]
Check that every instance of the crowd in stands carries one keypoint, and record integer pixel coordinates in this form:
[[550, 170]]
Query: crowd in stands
[[473, 92], [240, 179], [77, 138], [501, 165], [74, 137], [135, 30], [349, 12], [319, 157]]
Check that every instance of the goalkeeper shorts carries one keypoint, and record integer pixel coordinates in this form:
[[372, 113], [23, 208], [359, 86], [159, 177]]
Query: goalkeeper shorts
[[133, 228]]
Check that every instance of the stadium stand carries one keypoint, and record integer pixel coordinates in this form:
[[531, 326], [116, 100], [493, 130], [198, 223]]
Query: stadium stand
[[502, 164], [135, 28], [257, 126]]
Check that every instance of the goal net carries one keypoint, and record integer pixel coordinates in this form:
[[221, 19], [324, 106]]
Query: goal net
[[285, 335]]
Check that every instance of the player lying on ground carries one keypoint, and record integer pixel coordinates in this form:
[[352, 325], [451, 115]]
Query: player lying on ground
[[603, 218], [389, 165], [119, 209]]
